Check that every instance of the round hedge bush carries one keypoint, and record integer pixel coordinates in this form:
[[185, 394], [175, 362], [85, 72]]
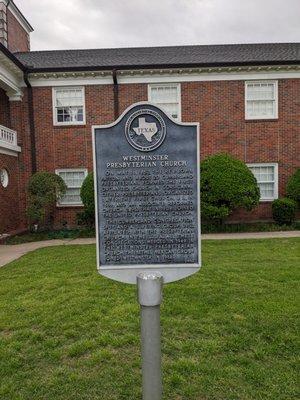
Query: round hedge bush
[[284, 211], [44, 189], [226, 184], [293, 187], [88, 199]]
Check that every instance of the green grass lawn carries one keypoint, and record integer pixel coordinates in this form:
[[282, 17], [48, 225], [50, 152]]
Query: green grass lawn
[[228, 333]]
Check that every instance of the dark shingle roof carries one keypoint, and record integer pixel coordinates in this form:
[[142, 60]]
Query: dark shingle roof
[[174, 56]]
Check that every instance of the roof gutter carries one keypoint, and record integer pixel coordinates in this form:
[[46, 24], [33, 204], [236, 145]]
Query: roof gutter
[[31, 123]]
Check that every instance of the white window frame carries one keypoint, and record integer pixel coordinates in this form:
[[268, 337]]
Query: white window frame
[[58, 171], [275, 116], [67, 123], [155, 85], [275, 165]]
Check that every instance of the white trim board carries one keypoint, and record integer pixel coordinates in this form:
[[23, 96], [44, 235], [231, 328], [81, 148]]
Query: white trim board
[[156, 77], [74, 81], [224, 76], [10, 75], [9, 152]]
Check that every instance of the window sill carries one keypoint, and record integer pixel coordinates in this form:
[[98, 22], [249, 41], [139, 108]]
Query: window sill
[[69, 125], [267, 200], [68, 205], [261, 119]]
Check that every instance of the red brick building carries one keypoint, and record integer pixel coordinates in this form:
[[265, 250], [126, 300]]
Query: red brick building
[[245, 97]]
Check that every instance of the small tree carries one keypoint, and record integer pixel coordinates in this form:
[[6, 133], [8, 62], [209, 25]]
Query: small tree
[[226, 184], [44, 189], [293, 187], [88, 199]]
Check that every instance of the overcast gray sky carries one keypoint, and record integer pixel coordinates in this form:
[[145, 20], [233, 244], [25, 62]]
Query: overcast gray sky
[[62, 24]]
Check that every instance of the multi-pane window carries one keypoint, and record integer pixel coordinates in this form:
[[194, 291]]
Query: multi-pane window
[[261, 100], [166, 96], [267, 179], [68, 104], [73, 178]]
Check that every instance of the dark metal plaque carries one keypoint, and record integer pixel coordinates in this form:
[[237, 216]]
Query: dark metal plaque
[[146, 169]]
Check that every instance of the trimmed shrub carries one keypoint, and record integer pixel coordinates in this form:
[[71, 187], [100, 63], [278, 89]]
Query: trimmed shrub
[[284, 211], [44, 189], [293, 187], [36, 213], [88, 199], [226, 184]]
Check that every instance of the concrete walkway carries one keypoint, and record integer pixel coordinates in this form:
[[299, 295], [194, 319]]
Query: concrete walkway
[[10, 253]]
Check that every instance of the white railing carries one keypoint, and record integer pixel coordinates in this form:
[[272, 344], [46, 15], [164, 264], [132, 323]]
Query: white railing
[[8, 136], [8, 139]]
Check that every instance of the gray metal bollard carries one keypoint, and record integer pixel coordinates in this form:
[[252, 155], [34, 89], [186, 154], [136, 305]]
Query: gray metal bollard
[[149, 286]]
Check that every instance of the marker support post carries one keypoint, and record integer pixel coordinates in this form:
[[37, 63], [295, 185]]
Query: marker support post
[[149, 286]]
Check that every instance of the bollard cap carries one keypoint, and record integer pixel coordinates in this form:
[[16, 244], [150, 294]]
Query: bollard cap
[[149, 285]]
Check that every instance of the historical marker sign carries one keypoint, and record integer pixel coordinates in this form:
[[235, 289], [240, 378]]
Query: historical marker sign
[[146, 169]]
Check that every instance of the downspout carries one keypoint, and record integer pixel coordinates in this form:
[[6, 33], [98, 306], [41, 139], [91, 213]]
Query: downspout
[[116, 94], [31, 123]]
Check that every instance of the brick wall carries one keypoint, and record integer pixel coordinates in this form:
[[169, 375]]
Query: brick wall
[[218, 106], [13, 199], [69, 147], [9, 205], [17, 37], [20, 123], [10, 212], [4, 109]]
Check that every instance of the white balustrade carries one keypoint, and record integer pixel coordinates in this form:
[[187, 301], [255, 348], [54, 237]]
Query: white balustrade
[[8, 139]]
